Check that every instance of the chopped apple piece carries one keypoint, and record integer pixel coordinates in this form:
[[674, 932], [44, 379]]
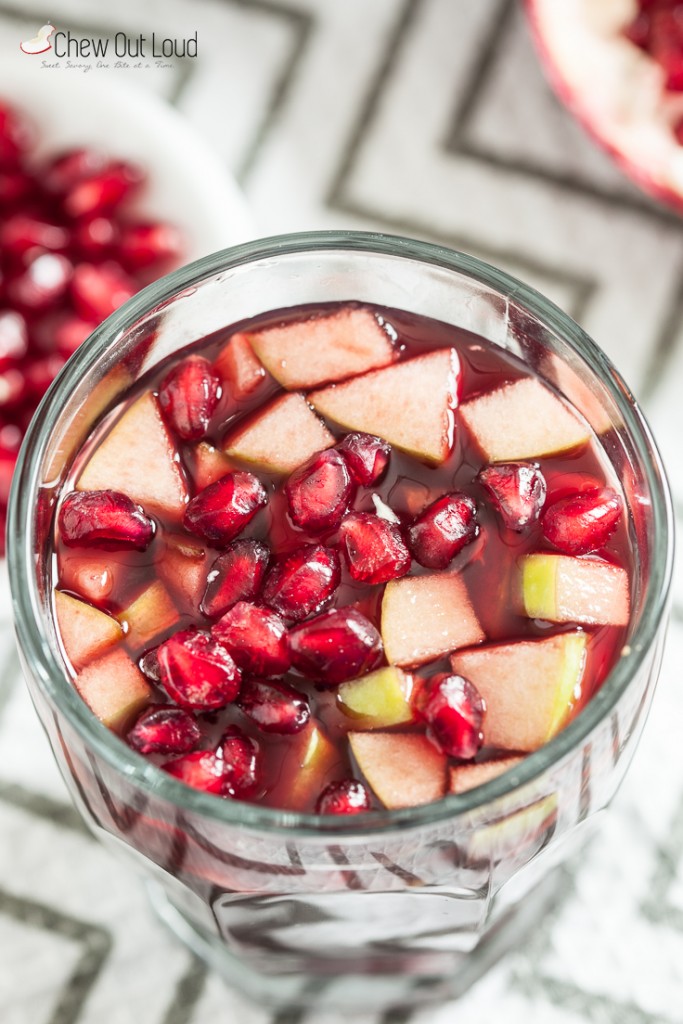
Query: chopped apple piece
[[85, 632], [150, 615], [522, 420], [563, 588], [580, 394], [379, 699], [238, 367], [114, 689], [464, 777], [210, 465], [318, 758], [138, 457], [529, 686], [424, 617], [184, 567], [404, 770], [516, 839], [322, 349], [410, 405], [281, 437]]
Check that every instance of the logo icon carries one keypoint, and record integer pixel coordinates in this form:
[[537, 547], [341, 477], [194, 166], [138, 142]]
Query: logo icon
[[40, 42]]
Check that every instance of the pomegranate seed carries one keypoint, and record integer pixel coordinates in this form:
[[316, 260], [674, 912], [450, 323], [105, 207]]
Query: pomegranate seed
[[13, 337], [582, 522], [67, 169], [678, 131], [275, 707], [236, 575], [146, 245], [40, 373], [189, 395], [318, 493], [517, 491], [15, 187], [240, 757], [223, 509], [666, 46], [204, 770], [13, 390], [104, 519], [41, 284], [23, 231], [256, 638], [374, 548], [97, 238], [102, 191], [16, 135], [303, 582], [197, 671], [455, 712], [443, 529], [346, 797], [96, 291], [70, 333], [9, 452], [336, 646], [366, 456], [149, 665], [164, 729]]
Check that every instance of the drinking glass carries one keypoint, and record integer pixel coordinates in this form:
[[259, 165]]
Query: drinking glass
[[391, 906]]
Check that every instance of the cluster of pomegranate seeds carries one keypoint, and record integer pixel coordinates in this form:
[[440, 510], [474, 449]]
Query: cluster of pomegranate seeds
[[282, 614], [70, 254]]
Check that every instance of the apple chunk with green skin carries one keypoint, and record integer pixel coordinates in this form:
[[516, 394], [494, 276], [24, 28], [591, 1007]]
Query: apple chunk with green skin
[[379, 699], [139, 458], [114, 689], [85, 631], [563, 588], [424, 617], [281, 437], [150, 615], [322, 349], [522, 420], [317, 760], [410, 405], [529, 687], [464, 777], [404, 770]]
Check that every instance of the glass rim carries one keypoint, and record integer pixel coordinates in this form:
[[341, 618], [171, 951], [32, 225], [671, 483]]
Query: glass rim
[[53, 680]]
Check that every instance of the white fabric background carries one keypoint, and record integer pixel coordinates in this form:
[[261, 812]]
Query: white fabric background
[[429, 118]]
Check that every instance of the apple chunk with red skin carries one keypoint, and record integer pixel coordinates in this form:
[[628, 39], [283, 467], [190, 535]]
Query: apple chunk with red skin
[[85, 631], [139, 458], [565, 588], [522, 420], [529, 687], [424, 617], [322, 349], [410, 405], [282, 436], [404, 770], [114, 689]]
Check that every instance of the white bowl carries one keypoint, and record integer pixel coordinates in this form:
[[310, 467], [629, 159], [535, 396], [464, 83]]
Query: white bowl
[[188, 184]]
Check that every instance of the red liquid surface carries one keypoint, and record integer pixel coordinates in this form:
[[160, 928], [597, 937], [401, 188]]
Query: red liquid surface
[[489, 565]]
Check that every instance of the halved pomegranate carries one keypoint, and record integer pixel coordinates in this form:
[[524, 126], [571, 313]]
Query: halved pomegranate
[[618, 65]]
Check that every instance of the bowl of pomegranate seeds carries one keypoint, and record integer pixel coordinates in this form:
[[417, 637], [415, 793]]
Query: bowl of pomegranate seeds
[[99, 196], [618, 65], [339, 562]]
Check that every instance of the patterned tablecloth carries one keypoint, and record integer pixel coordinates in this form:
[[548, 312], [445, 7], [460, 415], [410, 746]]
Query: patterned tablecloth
[[429, 118]]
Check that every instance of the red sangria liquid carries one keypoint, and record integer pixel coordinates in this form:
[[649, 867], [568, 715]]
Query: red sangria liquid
[[340, 558]]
